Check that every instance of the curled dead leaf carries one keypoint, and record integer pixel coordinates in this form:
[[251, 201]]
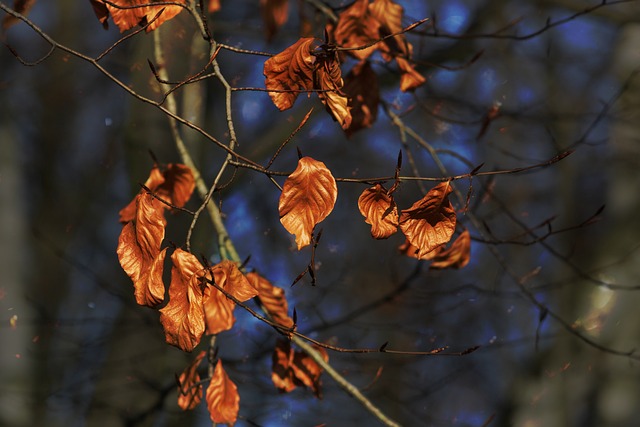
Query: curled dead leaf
[[272, 298], [431, 221], [183, 317], [410, 79], [308, 197], [223, 400], [380, 210], [328, 78], [139, 250], [362, 91], [281, 372], [290, 70], [456, 256], [127, 14], [357, 27], [294, 368], [274, 15], [218, 308], [189, 387]]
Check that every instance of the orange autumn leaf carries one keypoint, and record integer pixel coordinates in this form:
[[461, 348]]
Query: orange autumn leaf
[[139, 250], [389, 15], [214, 6], [356, 27], [218, 308], [272, 298], [189, 387], [183, 317], [295, 368], [411, 251], [223, 400], [174, 184], [127, 14], [291, 69], [308, 197], [457, 256], [328, 78], [431, 221], [380, 210], [22, 7], [281, 372], [410, 79], [362, 91], [274, 15]]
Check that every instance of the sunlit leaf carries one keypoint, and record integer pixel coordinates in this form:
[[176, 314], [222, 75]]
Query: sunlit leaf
[[308, 197], [272, 298], [217, 307], [183, 317], [307, 371], [281, 372], [274, 15], [139, 250], [127, 14], [189, 387], [328, 78], [379, 210], [431, 221], [456, 256], [362, 91], [223, 400], [389, 15], [410, 79], [357, 27], [291, 69], [174, 184], [22, 7]]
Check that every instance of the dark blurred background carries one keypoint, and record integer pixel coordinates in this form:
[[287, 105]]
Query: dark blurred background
[[77, 351]]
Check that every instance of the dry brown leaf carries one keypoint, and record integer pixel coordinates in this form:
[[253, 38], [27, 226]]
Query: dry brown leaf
[[357, 27], [183, 317], [291, 69], [308, 197], [274, 15], [328, 77], [380, 210], [362, 91], [214, 6], [223, 400], [307, 371], [272, 298], [457, 256], [22, 7], [217, 307], [189, 387], [389, 15], [281, 372], [174, 184], [431, 221], [132, 12], [409, 250], [101, 12], [410, 79], [139, 250]]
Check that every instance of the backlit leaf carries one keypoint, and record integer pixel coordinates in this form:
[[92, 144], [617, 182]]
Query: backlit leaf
[[281, 372], [362, 91], [308, 197], [389, 15], [431, 221], [139, 250], [379, 210], [457, 256], [357, 27], [274, 15], [272, 298], [127, 14], [410, 79], [223, 400], [101, 12], [183, 317], [296, 368], [217, 307], [174, 184], [291, 69], [328, 77], [307, 371], [189, 387]]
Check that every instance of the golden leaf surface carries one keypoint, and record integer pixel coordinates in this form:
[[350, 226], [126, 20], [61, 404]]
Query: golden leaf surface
[[389, 15], [410, 79], [183, 317], [127, 14], [308, 197], [357, 27], [272, 298], [274, 15], [174, 184], [281, 372], [328, 78], [218, 308], [431, 221], [456, 256], [362, 90], [189, 387], [223, 400], [380, 210], [307, 371], [291, 69], [139, 250], [295, 368]]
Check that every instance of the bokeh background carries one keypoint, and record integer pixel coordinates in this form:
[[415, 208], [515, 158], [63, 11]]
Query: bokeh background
[[77, 351]]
